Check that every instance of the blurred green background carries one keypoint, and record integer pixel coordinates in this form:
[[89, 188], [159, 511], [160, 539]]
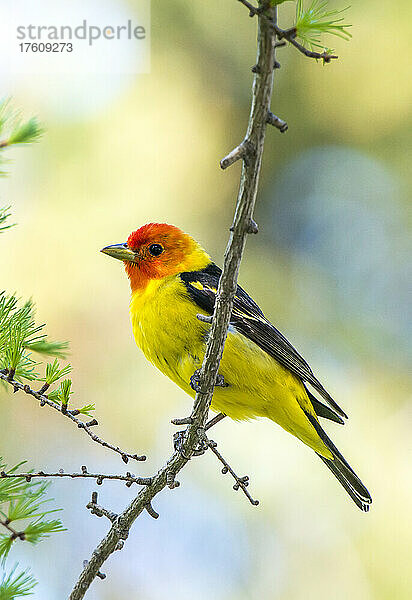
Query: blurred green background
[[330, 267]]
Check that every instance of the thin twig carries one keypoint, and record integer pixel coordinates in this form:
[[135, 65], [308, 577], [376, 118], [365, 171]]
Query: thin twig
[[253, 10], [214, 421], [241, 482], [236, 154], [100, 477], [71, 414], [206, 443], [100, 511], [14, 533], [290, 36], [262, 92], [277, 122], [209, 424], [151, 511]]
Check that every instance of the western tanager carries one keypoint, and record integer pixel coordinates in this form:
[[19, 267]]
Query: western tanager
[[173, 279]]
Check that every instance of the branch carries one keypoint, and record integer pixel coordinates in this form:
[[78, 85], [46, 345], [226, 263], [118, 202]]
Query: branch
[[253, 10], [290, 36], [240, 482], [100, 477], [277, 122], [100, 511], [14, 533], [240, 152], [8, 377], [285, 34], [242, 225]]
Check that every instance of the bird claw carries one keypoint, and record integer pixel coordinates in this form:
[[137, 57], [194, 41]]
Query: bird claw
[[220, 381], [203, 442], [203, 445], [178, 442], [195, 381], [178, 439]]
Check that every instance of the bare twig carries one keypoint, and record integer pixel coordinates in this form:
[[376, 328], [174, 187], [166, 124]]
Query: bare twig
[[71, 414], [262, 92], [151, 511], [183, 421], [290, 36], [214, 421], [277, 122], [100, 511], [171, 481], [241, 482], [100, 477], [252, 227], [253, 10], [236, 154], [206, 443], [209, 424]]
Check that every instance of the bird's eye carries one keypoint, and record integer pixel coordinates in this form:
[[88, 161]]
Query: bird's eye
[[156, 249]]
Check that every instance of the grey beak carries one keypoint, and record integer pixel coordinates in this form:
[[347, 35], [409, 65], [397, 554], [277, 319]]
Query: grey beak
[[120, 251]]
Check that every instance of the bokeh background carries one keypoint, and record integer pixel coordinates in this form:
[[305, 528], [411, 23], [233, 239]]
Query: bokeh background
[[330, 267]]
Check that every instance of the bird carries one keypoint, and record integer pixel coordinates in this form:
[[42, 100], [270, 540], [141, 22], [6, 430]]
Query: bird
[[172, 280]]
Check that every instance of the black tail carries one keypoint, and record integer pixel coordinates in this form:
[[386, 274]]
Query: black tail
[[322, 410], [343, 471]]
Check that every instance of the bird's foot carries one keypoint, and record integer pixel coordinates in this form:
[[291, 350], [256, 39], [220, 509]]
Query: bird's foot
[[195, 381], [178, 439], [220, 381], [204, 442], [203, 445]]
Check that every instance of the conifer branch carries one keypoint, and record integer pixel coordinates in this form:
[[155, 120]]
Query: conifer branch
[[4, 215], [290, 36], [24, 514], [310, 24], [16, 585]]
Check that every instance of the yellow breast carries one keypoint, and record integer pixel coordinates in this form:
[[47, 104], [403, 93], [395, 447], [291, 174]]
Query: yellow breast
[[166, 329]]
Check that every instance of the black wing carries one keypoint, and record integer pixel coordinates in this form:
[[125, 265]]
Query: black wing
[[249, 320]]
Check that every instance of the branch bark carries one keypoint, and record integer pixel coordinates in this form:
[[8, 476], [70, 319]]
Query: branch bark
[[242, 225]]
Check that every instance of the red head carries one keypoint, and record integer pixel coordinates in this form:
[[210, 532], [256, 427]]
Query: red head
[[157, 250]]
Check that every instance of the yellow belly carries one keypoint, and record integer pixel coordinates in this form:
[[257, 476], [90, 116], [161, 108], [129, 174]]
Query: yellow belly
[[166, 329]]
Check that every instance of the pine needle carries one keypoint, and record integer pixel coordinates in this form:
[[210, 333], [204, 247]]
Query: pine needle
[[316, 20]]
